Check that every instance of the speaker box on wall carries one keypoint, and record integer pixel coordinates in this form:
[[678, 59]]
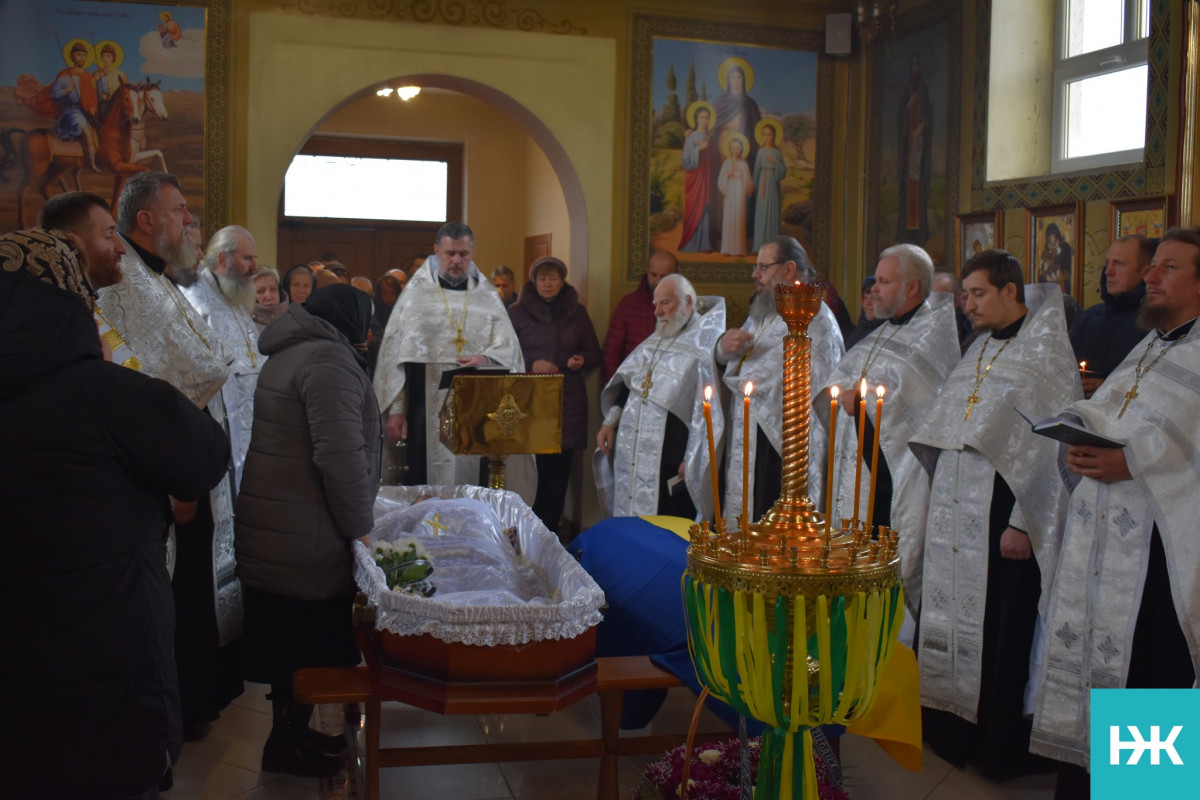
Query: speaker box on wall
[[837, 34]]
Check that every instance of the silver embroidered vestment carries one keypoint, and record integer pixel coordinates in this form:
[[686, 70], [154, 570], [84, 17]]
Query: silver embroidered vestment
[[912, 362], [422, 330], [1038, 374], [763, 365], [1097, 590], [174, 343], [235, 328], [678, 368]]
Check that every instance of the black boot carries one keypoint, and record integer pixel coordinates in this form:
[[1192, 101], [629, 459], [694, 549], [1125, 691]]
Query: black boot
[[289, 750], [326, 743]]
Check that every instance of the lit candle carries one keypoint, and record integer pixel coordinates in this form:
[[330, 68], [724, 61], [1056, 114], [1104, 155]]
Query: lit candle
[[712, 453], [1082, 367], [746, 453], [829, 470], [862, 432], [879, 390]]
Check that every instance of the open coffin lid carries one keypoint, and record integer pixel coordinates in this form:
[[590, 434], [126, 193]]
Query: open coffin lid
[[553, 598]]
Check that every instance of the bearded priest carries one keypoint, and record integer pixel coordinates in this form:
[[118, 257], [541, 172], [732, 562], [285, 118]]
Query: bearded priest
[[448, 316], [224, 295], [754, 353], [654, 411]]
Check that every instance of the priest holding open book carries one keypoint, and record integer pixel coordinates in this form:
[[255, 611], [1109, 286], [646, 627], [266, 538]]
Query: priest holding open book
[[1125, 608]]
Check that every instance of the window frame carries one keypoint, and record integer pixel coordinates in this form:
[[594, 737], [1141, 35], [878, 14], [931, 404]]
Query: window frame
[[1131, 53]]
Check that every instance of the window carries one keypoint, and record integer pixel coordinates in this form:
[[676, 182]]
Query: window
[[346, 187], [1100, 76], [375, 182]]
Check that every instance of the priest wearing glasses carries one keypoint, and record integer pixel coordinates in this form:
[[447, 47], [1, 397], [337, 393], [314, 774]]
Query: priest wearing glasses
[[448, 316], [1125, 608]]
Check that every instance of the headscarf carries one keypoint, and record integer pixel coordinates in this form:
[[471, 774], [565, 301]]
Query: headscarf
[[345, 308], [48, 256]]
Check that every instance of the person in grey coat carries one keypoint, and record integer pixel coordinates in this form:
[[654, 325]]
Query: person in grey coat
[[308, 491]]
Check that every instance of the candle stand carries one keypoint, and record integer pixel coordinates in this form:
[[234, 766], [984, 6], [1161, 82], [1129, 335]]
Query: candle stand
[[789, 623]]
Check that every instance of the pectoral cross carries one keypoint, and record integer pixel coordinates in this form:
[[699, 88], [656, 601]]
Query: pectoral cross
[[647, 385], [436, 524], [971, 401], [1132, 393], [459, 343]]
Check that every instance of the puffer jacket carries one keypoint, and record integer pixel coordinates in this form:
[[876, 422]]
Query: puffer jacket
[[555, 332], [312, 471], [1105, 333]]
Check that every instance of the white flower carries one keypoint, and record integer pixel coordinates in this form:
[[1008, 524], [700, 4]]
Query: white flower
[[710, 757]]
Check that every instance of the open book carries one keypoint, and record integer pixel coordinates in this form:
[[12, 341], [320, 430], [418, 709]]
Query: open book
[[1068, 430]]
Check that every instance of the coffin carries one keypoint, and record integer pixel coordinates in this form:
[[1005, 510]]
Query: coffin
[[438, 645]]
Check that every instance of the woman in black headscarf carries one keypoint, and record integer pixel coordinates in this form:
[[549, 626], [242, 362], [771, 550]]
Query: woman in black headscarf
[[308, 490]]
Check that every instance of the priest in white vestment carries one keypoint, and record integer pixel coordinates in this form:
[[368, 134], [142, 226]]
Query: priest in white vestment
[[911, 356], [448, 316], [224, 296], [995, 517], [174, 342], [1124, 610], [754, 353], [653, 408]]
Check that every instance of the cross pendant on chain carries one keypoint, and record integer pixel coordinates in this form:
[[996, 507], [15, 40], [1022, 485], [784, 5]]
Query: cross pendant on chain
[[647, 385], [459, 343], [1132, 393], [971, 401]]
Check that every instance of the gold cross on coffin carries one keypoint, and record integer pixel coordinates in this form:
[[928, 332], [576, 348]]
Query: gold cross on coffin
[[647, 385], [971, 401], [459, 343], [1132, 393], [436, 524]]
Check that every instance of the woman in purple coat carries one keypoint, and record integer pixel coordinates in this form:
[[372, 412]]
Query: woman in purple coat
[[556, 335]]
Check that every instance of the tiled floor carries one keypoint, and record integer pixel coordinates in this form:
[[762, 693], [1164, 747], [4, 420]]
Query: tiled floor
[[224, 765]]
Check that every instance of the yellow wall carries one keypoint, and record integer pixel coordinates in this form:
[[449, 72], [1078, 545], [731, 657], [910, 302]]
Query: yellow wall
[[495, 179], [546, 211]]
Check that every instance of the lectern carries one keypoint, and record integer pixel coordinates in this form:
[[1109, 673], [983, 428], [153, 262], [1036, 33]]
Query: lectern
[[499, 415]]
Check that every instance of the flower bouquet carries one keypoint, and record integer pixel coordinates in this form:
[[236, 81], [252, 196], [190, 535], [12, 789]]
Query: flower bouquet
[[716, 774], [406, 565]]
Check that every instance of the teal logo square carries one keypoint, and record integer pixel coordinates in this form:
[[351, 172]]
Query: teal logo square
[[1144, 739]]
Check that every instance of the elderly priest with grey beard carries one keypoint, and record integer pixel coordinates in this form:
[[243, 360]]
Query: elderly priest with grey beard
[[654, 428], [224, 295]]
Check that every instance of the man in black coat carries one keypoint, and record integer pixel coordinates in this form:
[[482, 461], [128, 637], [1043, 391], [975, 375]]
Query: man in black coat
[[1105, 333], [88, 456]]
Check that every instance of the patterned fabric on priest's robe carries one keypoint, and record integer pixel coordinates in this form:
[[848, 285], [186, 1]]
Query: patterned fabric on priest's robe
[[763, 365], [1097, 589], [420, 331], [678, 368], [235, 327], [1036, 373], [173, 342], [911, 361]]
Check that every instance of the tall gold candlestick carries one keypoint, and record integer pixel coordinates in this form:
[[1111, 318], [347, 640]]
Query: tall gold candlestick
[[879, 390], [862, 432], [833, 410], [746, 452], [712, 455]]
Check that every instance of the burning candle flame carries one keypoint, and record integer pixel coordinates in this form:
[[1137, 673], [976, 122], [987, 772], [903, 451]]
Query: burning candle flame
[[707, 393], [879, 390], [862, 388], [749, 387], [833, 390]]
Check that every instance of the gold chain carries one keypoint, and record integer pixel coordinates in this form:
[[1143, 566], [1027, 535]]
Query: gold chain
[[655, 357], [242, 330], [1139, 372], [979, 376], [876, 349], [459, 340], [171, 290]]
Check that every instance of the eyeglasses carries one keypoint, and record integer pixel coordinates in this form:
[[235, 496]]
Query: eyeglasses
[[761, 268]]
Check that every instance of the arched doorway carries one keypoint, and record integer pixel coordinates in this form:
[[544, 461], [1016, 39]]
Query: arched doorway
[[517, 183]]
